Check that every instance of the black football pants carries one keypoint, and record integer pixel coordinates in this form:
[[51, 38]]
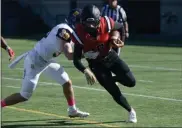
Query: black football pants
[[103, 72]]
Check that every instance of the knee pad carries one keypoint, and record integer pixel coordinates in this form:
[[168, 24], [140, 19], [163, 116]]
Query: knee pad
[[28, 86], [25, 95], [131, 82]]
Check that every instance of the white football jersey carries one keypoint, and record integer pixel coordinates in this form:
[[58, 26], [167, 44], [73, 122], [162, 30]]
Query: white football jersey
[[52, 44]]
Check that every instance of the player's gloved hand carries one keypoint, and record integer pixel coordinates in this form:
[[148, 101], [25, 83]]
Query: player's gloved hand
[[89, 76], [11, 53], [116, 42]]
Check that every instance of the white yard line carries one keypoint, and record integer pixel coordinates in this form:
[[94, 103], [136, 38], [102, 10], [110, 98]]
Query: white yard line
[[12, 87], [95, 89], [19, 68], [145, 67], [155, 68], [143, 81], [146, 81]]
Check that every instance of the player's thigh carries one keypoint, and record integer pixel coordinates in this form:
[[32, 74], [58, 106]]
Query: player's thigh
[[102, 73], [105, 78], [123, 73], [120, 67], [57, 73], [30, 77]]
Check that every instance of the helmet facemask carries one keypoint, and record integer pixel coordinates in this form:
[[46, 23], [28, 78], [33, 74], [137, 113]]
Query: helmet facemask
[[91, 25], [90, 19]]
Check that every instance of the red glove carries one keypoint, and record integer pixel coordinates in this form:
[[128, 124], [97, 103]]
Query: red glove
[[11, 53]]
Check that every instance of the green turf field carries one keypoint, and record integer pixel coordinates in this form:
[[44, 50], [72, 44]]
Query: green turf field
[[157, 97]]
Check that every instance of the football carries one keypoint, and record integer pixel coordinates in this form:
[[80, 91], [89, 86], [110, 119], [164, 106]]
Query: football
[[115, 39]]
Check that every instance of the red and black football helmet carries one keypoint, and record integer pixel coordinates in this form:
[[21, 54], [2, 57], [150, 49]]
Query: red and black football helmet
[[90, 18]]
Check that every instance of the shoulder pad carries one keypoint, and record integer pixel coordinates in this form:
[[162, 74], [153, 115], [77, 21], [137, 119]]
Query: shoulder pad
[[64, 34]]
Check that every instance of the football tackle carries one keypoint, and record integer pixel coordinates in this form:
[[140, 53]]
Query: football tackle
[[41, 60]]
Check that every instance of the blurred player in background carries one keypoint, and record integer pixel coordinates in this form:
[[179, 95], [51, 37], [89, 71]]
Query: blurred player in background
[[117, 13], [40, 60], [74, 17], [5, 46], [96, 44]]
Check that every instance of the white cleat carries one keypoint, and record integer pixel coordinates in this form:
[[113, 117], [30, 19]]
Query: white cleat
[[117, 83], [77, 113], [132, 116]]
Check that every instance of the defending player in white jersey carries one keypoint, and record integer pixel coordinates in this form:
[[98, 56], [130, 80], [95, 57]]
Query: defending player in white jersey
[[40, 60]]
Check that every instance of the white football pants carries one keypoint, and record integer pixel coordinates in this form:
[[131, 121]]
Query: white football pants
[[34, 65]]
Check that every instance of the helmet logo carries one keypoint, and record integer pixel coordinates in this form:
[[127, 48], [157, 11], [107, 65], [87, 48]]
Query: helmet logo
[[90, 19], [64, 34], [75, 13]]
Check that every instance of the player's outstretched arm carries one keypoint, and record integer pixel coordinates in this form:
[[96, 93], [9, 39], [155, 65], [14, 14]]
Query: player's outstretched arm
[[77, 58], [115, 39], [68, 50], [5, 46], [90, 77]]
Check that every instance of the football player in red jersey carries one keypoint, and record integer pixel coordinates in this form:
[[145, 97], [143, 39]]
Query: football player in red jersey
[[95, 43], [5, 46]]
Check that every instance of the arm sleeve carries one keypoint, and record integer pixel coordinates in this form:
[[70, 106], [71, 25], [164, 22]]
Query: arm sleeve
[[4, 45], [77, 58]]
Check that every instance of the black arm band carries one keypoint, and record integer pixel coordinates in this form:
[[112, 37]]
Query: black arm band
[[77, 58]]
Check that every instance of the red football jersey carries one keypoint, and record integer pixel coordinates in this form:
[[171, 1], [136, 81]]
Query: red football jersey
[[101, 42]]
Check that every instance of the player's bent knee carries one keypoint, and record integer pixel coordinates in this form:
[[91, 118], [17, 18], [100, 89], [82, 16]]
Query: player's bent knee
[[132, 80], [132, 83], [26, 95], [68, 83]]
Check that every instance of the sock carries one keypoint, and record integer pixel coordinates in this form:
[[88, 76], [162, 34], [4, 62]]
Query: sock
[[71, 104], [3, 104], [72, 108], [121, 100], [125, 103]]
